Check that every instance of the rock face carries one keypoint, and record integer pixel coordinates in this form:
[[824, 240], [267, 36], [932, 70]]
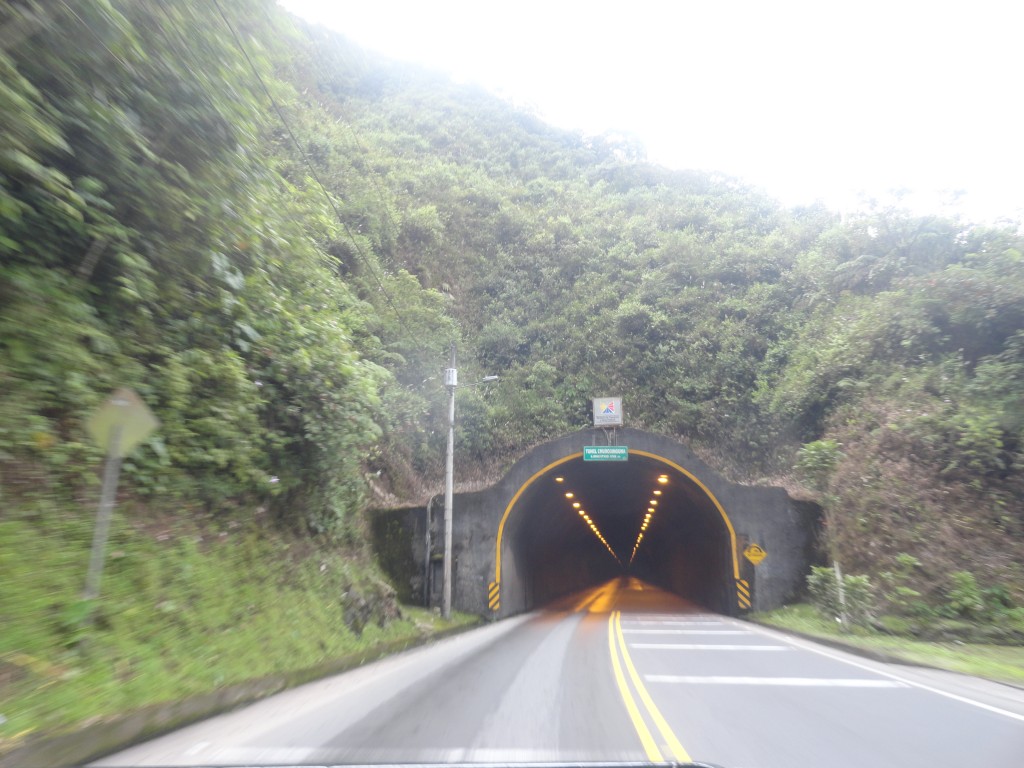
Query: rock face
[[372, 603]]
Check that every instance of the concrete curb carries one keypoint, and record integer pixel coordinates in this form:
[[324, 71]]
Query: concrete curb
[[125, 730]]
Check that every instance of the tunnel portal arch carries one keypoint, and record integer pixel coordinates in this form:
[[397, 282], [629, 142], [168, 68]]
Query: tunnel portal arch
[[712, 577], [517, 544]]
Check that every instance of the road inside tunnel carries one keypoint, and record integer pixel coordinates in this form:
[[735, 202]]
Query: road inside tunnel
[[580, 523]]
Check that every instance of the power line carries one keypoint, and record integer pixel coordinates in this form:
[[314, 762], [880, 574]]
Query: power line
[[312, 170]]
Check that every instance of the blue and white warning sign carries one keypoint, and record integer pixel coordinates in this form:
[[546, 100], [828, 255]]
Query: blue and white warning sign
[[607, 411]]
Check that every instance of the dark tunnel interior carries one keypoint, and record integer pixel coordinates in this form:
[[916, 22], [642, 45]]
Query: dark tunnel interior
[[558, 542]]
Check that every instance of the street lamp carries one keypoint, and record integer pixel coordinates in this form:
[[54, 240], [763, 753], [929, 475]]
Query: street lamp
[[451, 380]]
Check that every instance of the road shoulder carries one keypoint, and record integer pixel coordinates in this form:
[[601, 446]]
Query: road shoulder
[[988, 694]]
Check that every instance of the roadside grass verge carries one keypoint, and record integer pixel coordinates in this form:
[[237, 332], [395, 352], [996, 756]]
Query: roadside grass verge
[[184, 610], [1001, 663]]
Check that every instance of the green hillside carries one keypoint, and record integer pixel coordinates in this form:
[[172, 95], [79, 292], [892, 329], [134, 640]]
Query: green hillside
[[273, 236]]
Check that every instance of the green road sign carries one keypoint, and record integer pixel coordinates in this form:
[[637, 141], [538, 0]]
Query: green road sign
[[605, 453]]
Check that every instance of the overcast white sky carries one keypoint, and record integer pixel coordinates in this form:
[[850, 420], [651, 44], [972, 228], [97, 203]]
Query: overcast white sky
[[810, 100]]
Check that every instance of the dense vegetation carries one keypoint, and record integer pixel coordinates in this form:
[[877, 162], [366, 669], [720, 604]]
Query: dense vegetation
[[273, 237], [185, 611]]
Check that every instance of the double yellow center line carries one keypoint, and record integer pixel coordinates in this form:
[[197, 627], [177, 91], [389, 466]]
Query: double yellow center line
[[620, 658]]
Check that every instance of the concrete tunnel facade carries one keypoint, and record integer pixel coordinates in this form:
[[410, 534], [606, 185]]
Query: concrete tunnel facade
[[525, 541]]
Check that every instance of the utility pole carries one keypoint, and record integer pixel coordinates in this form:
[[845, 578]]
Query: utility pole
[[451, 380]]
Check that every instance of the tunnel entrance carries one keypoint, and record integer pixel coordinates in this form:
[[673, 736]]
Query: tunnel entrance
[[521, 543], [576, 523]]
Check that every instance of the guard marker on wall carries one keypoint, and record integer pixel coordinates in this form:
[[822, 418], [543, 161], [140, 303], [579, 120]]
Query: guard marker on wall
[[755, 553], [494, 595], [743, 594]]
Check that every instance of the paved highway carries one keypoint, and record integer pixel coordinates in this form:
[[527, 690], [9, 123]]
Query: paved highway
[[622, 672]]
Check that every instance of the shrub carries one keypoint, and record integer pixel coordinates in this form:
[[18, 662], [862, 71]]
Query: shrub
[[815, 461], [965, 597], [858, 593]]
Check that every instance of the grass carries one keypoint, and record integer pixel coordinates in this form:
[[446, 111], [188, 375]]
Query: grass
[[183, 611], [996, 662]]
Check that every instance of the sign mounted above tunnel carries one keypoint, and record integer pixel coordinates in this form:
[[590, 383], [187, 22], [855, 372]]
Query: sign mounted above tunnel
[[605, 453], [607, 411]]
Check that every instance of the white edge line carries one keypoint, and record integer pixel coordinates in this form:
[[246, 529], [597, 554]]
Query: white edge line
[[956, 697]]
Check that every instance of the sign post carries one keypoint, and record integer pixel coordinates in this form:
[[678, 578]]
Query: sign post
[[120, 424]]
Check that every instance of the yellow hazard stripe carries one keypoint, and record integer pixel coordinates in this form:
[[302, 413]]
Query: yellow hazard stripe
[[743, 593], [494, 596]]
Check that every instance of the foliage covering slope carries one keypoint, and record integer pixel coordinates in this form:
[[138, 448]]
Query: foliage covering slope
[[161, 226]]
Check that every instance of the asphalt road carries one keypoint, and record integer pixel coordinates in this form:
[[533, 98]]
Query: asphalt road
[[623, 672]]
